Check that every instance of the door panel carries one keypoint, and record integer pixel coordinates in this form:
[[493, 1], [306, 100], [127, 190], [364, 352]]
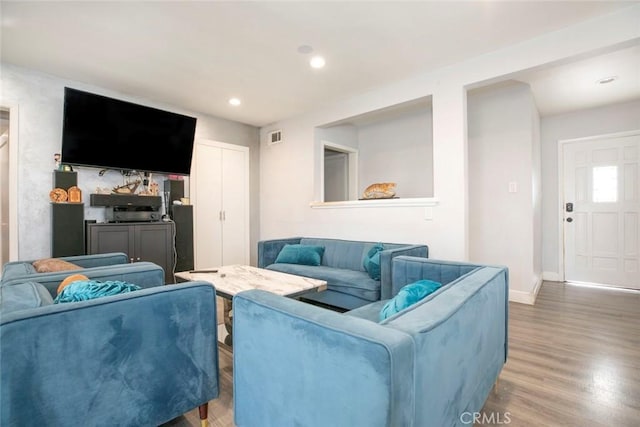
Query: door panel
[[116, 238], [601, 234], [234, 202], [154, 244], [207, 206]]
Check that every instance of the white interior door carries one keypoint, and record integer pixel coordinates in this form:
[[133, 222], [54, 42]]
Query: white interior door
[[220, 194], [235, 201], [601, 227], [206, 184]]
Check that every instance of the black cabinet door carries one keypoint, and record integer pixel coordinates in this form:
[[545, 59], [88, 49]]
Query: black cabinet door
[[154, 243], [104, 238]]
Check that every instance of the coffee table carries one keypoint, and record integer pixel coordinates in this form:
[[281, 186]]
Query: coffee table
[[231, 279]]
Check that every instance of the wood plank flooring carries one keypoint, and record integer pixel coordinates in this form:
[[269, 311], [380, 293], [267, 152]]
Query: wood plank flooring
[[574, 360]]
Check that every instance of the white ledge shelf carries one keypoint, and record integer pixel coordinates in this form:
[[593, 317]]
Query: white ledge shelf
[[377, 203]]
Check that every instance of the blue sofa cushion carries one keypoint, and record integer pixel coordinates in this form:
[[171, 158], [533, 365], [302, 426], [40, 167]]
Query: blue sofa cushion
[[83, 290], [22, 296], [408, 295], [357, 283], [300, 254], [372, 261], [369, 311], [17, 269]]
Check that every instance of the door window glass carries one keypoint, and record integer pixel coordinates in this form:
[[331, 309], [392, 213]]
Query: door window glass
[[605, 184]]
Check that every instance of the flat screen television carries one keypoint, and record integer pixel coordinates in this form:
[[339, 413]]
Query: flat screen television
[[108, 133]]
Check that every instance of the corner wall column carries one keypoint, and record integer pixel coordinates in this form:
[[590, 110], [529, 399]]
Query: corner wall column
[[450, 174]]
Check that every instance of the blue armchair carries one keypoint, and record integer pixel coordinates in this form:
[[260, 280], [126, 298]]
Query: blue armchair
[[425, 366], [135, 359]]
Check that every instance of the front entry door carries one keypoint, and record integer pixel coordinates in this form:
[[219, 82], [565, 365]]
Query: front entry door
[[601, 211]]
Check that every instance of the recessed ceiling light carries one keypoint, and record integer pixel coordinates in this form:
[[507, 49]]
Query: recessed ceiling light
[[317, 62], [235, 102], [607, 80]]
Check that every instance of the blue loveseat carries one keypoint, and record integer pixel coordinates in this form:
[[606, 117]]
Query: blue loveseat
[[348, 283], [425, 366], [135, 359]]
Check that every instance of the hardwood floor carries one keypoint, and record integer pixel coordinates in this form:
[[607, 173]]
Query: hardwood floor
[[574, 360]]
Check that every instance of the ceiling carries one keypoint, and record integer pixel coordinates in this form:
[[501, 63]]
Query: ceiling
[[196, 55]]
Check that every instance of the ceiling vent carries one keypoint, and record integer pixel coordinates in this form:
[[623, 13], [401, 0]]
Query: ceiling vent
[[274, 137]]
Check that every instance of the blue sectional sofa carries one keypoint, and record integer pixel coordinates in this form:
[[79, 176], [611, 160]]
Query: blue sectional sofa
[[140, 358], [425, 366], [348, 284]]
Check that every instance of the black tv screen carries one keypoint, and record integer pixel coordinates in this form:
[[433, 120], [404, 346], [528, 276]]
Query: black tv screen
[[103, 132]]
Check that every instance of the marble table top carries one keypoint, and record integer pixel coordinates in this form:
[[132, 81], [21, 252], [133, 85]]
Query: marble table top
[[231, 279]]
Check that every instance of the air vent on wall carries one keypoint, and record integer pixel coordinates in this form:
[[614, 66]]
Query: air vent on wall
[[274, 137]]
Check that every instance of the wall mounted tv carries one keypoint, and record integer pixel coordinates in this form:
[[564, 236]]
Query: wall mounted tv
[[108, 133]]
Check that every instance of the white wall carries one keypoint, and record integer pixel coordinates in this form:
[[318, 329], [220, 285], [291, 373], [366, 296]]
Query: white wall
[[346, 135], [39, 98], [290, 171], [536, 201], [502, 153], [590, 122], [398, 150]]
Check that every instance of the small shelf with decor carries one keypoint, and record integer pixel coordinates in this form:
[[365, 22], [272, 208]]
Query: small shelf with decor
[[67, 215]]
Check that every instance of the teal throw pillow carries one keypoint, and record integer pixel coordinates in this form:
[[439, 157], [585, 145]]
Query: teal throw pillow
[[83, 290], [300, 254], [371, 262], [407, 296]]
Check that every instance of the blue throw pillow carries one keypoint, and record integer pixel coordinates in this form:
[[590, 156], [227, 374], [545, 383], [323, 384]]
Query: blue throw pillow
[[407, 296], [83, 290], [371, 262], [300, 254]]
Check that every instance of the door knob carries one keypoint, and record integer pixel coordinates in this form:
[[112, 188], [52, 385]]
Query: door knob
[[569, 219]]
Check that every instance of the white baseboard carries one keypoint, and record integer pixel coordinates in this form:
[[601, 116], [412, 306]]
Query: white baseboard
[[551, 276], [524, 297]]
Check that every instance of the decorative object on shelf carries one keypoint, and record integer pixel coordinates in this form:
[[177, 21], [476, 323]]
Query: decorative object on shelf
[[153, 188], [58, 195], [102, 190], [128, 188], [75, 194], [56, 159], [380, 190], [150, 190]]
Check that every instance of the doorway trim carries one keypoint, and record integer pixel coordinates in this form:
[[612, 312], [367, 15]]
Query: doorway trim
[[352, 160], [560, 212], [12, 108]]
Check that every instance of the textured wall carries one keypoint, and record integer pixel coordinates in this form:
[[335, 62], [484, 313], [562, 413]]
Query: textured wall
[[39, 98]]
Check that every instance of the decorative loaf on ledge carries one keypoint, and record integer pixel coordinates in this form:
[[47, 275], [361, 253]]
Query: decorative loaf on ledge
[[380, 190]]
